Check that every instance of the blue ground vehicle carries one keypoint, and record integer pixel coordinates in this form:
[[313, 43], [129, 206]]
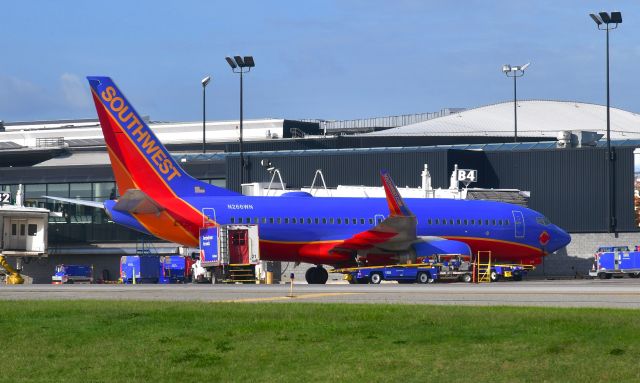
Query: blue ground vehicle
[[145, 269], [425, 273], [173, 269], [72, 274], [616, 261]]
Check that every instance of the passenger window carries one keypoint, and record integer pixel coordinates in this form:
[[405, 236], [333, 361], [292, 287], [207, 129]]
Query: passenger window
[[346, 221], [450, 222], [332, 221], [458, 222], [324, 221], [362, 221], [14, 229], [293, 220], [22, 229], [339, 221], [247, 220], [493, 222], [233, 220], [466, 222], [507, 223], [264, 220], [279, 220], [286, 220], [354, 221], [473, 221], [444, 221], [256, 219], [270, 219], [437, 221], [32, 230], [499, 222], [486, 222], [429, 221], [309, 221], [370, 221]]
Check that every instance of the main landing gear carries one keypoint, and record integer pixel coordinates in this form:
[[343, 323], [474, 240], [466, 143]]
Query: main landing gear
[[316, 276]]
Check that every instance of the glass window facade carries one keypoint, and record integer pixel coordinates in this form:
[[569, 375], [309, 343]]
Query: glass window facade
[[69, 223]]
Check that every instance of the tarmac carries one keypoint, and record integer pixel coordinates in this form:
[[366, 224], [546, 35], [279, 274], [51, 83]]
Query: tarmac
[[614, 293]]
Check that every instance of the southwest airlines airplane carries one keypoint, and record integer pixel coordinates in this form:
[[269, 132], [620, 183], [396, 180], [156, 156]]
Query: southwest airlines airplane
[[158, 197]]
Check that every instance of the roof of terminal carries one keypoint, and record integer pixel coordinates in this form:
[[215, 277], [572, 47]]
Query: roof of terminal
[[536, 118]]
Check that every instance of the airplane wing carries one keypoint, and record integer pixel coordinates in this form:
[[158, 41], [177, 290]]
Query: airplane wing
[[396, 232], [137, 201], [83, 202]]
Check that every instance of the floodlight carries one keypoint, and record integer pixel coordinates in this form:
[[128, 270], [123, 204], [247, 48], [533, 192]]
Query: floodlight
[[205, 81], [605, 17], [616, 17], [596, 18], [525, 66], [232, 63], [248, 61], [239, 61], [506, 68]]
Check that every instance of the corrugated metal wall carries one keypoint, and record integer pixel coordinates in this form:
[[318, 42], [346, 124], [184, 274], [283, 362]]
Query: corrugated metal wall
[[569, 186]]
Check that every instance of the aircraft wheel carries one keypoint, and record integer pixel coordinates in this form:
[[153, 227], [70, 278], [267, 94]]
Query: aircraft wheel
[[323, 275], [310, 276], [376, 278], [634, 275], [316, 275], [423, 277]]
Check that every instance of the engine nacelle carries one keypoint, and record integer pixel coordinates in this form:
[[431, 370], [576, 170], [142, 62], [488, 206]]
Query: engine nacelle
[[433, 246]]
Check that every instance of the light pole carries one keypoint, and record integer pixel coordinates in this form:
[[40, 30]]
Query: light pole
[[515, 72], [606, 22], [205, 81], [241, 66]]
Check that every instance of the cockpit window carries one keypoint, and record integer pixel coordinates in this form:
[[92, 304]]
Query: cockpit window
[[543, 221]]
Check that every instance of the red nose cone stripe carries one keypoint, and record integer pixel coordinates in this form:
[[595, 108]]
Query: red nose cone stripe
[[544, 238]]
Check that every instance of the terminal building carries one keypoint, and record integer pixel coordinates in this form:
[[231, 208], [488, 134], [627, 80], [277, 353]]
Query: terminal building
[[560, 159]]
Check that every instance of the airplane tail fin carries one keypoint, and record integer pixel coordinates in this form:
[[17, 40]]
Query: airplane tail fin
[[138, 158], [397, 207]]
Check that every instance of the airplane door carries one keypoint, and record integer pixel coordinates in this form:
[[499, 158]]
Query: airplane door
[[518, 220], [238, 247], [378, 218]]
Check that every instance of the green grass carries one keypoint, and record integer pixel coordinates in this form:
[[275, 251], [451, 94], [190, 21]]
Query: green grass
[[126, 341]]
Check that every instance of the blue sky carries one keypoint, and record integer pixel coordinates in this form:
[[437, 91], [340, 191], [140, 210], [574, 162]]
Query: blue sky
[[314, 59]]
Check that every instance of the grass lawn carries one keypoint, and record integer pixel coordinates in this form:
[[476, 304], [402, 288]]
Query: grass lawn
[[128, 341]]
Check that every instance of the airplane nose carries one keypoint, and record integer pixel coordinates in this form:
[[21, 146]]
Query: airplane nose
[[559, 239]]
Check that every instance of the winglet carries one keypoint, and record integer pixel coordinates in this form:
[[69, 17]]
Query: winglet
[[397, 207]]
